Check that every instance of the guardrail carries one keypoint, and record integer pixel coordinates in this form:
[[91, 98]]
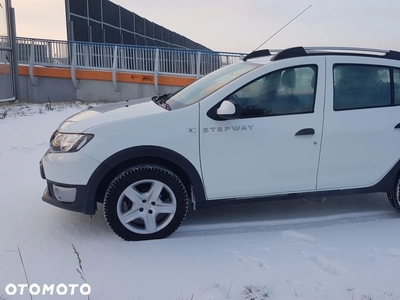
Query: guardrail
[[121, 58], [129, 58]]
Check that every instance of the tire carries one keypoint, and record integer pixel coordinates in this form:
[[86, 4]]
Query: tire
[[394, 194], [145, 202]]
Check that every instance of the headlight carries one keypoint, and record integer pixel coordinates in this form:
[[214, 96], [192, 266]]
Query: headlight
[[69, 142]]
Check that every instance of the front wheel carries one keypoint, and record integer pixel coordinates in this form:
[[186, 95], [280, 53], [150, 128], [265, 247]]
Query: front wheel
[[394, 194], [145, 202]]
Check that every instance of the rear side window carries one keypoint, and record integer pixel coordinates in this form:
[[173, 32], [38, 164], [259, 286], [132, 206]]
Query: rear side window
[[361, 86], [396, 79]]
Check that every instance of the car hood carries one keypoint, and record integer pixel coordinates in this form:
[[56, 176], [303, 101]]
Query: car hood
[[114, 112]]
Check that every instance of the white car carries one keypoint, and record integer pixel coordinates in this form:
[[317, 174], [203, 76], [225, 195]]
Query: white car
[[303, 122]]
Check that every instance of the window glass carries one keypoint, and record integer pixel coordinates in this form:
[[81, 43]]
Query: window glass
[[287, 91], [396, 78], [207, 85], [361, 86]]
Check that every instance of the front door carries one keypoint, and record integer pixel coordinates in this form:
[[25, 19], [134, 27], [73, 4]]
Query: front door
[[274, 146]]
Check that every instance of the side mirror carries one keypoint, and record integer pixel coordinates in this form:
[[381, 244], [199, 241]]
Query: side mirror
[[228, 110]]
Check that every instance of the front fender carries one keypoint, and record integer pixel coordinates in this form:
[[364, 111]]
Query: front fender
[[98, 180]]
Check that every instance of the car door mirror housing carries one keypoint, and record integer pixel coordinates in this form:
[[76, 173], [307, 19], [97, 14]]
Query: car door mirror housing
[[228, 110]]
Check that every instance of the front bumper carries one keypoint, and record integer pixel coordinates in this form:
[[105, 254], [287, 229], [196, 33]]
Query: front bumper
[[74, 197], [80, 203]]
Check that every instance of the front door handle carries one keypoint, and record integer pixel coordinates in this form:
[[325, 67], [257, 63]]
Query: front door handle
[[306, 131], [397, 126]]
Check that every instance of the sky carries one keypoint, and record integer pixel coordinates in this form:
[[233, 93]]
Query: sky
[[241, 26]]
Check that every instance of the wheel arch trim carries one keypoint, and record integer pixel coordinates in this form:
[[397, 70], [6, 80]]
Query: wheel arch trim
[[146, 151]]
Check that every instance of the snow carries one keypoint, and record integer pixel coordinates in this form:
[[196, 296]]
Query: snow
[[343, 248]]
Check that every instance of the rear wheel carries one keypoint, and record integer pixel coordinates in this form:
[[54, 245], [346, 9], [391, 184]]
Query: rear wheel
[[145, 202], [394, 194]]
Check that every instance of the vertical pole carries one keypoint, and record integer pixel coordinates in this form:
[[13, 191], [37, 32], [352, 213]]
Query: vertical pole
[[156, 70], [114, 69], [8, 49], [198, 66], [32, 64], [123, 58], [192, 64], [86, 55], [70, 39], [50, 53], [73, 66], [14, 55], [69, 27]]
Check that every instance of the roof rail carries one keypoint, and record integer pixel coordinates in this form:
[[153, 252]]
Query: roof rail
[[393, 55], [305, 51], [258, 53], [290, 52], [345, 49], [261, 53]]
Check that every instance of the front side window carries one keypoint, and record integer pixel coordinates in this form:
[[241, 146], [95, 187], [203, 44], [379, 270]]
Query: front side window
[[283, 92], [361, 86], [209, 84]]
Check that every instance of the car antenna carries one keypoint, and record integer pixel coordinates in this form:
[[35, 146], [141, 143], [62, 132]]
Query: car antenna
[[283, 27]]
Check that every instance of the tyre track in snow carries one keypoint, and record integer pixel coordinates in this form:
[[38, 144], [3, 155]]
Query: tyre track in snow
[[241, 228]]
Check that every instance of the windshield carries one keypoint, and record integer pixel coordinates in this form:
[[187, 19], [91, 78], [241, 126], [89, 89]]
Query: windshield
[[210, 83]]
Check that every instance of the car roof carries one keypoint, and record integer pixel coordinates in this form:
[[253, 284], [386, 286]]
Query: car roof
[[275, 55]]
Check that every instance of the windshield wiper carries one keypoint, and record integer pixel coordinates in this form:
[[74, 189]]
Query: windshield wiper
[[161, 100]]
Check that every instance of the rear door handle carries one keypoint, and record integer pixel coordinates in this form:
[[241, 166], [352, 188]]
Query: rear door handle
[[306, 131], [397, 126]]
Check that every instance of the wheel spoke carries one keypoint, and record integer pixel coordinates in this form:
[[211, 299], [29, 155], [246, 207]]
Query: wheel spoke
[[164, 208], [130, 215], [155, 191], [150, 223], [146, 207], [132, 194]]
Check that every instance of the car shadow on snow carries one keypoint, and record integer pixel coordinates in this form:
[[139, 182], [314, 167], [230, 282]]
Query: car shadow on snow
[[271, 212]]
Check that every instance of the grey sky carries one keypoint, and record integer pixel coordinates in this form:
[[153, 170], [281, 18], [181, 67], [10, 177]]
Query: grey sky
[[240, 26]]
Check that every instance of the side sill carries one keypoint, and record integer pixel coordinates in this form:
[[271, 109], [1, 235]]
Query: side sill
[[294, 196]]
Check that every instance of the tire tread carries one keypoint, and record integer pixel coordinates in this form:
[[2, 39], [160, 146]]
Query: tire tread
[[134, 170]]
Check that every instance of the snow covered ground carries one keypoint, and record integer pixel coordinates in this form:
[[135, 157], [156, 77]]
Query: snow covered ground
[[344, 248]]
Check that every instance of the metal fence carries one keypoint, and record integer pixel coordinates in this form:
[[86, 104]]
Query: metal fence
[[8, 64], [121, 57]]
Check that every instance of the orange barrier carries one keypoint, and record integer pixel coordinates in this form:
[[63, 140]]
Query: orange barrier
[[106, 76], [5, 69]]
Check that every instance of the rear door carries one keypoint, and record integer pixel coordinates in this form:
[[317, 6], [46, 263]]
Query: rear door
[[360, 140]]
